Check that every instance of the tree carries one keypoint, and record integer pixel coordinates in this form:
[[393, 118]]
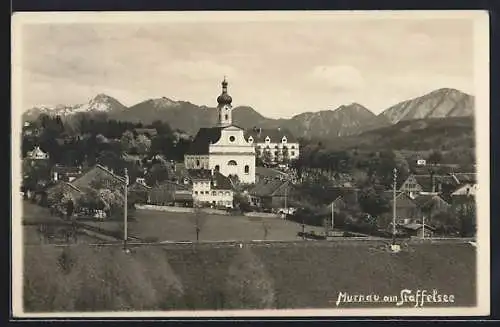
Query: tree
[[143, 144], [127, 141], [198, 220], [372, 201], [435, 157], [157, 174], [265, 228], [266, 157]]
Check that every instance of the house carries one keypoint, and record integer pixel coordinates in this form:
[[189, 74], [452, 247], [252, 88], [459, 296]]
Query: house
[[99, 176], [278, 145], [170, 193], [406, 208], [211, 188], [37, 154], [417, 230], [431, 204], [61, 192], [271, 193], [463, 199], [65, 173], [430, 183]]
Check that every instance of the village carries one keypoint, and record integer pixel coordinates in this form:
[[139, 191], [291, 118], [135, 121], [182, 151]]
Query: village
[[229, 171]]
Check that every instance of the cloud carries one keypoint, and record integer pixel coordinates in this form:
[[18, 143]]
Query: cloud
[[339, 76], [199, 69]]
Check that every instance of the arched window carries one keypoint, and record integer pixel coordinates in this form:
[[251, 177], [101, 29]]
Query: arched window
[[197, 162], [226, 117], [231, 163], [217, 167], [247, 169], [293, 146]]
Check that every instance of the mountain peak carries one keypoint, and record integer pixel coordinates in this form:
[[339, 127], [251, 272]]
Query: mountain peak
[[440, 103]]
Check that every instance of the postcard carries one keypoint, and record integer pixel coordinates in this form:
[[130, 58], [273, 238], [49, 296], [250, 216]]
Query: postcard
[[239, 164]]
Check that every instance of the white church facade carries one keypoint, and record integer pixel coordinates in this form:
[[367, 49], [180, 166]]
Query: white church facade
[[224, 147]]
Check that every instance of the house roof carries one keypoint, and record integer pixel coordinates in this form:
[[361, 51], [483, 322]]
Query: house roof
[[275, 135], [200, 174], [263, 172], [66, 169], [269, 187], [221, 182], [203, 139], [82, 178], [427, 199], [466, 177]]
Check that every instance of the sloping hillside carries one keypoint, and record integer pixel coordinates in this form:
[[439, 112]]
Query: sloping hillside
[[291, 275], [441, 103], [422, 134]]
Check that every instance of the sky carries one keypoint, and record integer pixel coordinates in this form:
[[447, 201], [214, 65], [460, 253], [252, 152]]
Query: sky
[[278, 67]]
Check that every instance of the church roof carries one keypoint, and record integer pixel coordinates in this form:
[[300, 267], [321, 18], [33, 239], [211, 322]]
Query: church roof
[[203, 139], [275, 134]]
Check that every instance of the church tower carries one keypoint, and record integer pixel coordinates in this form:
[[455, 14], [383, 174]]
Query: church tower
[[224, 107]]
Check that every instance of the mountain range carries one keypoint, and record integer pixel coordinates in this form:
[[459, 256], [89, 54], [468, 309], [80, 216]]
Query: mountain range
[[346, 120]]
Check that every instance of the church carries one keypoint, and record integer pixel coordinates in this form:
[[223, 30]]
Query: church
[[223, 148]]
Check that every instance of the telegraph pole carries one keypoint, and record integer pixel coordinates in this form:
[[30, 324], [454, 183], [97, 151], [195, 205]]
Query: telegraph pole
[[395, 171], [125, 212], [333, 202], [423, 226]]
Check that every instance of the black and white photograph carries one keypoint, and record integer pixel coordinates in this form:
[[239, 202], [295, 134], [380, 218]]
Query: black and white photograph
[[272, 163]]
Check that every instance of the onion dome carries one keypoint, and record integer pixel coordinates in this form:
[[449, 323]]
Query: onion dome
[[224, 98]]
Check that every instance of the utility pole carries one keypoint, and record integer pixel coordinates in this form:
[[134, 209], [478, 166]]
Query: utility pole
[[286, 196], [333, 212], [423, 226], [395, 171], [125, 212]]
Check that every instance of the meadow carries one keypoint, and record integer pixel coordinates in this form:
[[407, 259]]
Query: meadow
[[253, 276]]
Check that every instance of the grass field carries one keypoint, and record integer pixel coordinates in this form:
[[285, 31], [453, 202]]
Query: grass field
[[291, 275], [34, 216], [170, 226]]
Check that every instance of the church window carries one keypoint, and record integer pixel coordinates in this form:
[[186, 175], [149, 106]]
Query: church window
[[217, 168], [231, 163], [231, 138], [214, 193], [293, 153], [275, 146], [196, 192], [275, 153], [268, 139], [197, 162], [293, 146], [226, 117], [247, 169]]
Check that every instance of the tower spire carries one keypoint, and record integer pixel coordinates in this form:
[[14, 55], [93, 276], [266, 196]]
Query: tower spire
[[224, 105]]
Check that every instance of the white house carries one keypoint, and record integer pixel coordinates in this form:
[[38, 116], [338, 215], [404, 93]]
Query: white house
[[211, 188], [37, 154], [223, 148], [466, 189], [279, 144]]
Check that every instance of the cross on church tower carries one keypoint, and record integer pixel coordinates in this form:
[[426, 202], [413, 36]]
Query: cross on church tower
[[224, 106]]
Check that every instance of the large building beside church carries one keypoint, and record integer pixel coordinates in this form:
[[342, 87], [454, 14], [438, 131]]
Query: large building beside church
[[223, 148]]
